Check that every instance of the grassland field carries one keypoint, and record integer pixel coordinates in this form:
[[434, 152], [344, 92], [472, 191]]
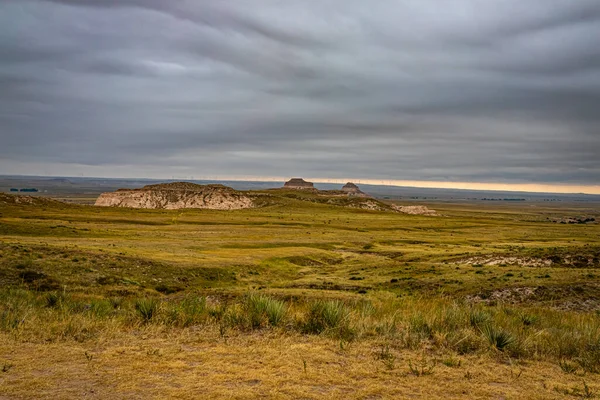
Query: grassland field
[[299, 299]]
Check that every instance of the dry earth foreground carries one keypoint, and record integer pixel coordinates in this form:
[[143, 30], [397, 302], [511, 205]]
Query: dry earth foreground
[[302, 294]]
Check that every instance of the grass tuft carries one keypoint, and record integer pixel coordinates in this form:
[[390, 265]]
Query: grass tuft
[[478, 318], [331, 316], [386, 356], [568, 367], [147, 308], [264, 310], [422, 367], [499, 339], [53, 300]]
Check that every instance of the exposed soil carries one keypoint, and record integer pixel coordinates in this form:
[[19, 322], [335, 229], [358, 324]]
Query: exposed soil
[[582, 297], [582, 260], [509, 260]]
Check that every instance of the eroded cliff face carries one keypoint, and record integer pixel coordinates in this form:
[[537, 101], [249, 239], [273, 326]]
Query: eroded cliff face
[[177, 195]]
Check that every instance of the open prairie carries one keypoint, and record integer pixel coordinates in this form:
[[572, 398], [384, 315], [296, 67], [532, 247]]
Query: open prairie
[[299, 299]]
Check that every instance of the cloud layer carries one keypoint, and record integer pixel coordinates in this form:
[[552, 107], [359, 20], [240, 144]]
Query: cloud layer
[[462, 90]]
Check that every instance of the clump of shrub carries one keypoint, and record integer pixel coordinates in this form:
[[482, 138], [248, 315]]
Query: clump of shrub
[[147, 308], [568, 367], [101, 308], [420, 330], [38, 280], [329, 316], [30, 276], [187, 312], [529, 319], [589, 360], [255, 311], [465, 341], [264, 310], [421, 367], [498, 338], [478, 318], [116, 302], [166, 289], [53, 299], [386, 356], [16, 308]]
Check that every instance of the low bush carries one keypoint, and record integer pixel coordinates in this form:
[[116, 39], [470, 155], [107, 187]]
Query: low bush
[[328, 316], [498, 338], [147, 308]]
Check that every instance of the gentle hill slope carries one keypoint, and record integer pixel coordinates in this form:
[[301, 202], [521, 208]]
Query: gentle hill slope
[[11, 199]]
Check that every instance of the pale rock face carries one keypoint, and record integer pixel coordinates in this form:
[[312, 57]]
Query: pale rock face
[[369, 205], [177, 195], [415, 210]]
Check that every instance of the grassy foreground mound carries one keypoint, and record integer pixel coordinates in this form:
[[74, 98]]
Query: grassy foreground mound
[[297, 300]]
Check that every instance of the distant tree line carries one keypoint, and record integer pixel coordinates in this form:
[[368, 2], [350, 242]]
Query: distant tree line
[[485, 198], [24, 190]]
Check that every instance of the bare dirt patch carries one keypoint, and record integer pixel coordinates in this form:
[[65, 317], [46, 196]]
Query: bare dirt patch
[[564, 260], [507, 295], [509, 260], [583, 297]]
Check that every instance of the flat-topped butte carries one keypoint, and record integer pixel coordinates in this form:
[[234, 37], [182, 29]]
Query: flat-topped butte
[[299, 183]]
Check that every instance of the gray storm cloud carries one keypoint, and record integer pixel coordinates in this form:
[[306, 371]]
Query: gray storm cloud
[[498, 91]]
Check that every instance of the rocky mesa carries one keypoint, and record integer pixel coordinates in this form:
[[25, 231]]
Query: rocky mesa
[[177, 195], [352, 190], [299, 184]]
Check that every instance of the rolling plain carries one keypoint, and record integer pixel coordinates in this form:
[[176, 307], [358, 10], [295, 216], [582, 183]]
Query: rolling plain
[[299, 299]]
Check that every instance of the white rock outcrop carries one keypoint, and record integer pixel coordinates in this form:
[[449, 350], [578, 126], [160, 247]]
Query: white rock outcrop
[[415, 210], [177, 195]]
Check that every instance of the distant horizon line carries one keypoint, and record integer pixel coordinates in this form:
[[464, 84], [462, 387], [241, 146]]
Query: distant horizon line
[[457, 185]]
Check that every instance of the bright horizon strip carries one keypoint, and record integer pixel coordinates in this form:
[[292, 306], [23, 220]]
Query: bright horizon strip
[[506, 187]]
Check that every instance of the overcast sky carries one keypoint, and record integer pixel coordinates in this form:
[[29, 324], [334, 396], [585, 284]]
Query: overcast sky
[[504, 91]]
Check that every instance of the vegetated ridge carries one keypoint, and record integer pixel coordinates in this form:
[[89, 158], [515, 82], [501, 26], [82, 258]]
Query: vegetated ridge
[[182, 195], [7, 199], [179, 195]]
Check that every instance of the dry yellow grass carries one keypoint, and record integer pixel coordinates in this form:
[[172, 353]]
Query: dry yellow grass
[[413, 270], [200, 364]]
